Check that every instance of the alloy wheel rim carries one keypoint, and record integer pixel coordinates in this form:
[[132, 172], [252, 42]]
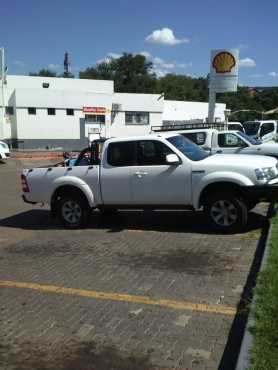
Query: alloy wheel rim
[[224, 213], [71, 212]]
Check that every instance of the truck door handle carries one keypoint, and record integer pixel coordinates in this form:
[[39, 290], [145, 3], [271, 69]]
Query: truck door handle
[[140, 173], [219, 151], [90, 167], [49, 169]]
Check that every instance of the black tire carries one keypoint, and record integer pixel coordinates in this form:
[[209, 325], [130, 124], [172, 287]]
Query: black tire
[[251, 205], [73, 211], [226, 212]]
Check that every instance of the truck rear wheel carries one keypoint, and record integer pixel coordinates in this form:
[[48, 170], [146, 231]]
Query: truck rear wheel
[[73, 211], [226, 212]]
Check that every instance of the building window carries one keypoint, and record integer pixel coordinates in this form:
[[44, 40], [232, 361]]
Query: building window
[[94, 118], [51, 111], [137, 118], [70, 112], [32, 110], [9, 111]]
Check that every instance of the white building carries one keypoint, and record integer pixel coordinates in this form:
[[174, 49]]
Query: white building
[[183, 111], [49, 112]]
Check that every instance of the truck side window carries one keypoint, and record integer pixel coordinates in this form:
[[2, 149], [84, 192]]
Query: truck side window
[[198, 138], [228, 140], [151, 152], [121, 154], [267, 128]]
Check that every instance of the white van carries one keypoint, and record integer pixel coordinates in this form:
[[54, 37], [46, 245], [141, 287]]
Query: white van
[[263, 130]]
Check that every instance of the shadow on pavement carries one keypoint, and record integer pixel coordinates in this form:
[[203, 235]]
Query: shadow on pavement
[[73, 356], [193, 262], [168, 221]]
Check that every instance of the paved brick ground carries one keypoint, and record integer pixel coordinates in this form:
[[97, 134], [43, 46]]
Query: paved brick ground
[[170, 255]]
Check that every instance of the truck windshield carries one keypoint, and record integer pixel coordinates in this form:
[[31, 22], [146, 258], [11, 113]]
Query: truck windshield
[[189, 149], [251, 127], [250, 140]]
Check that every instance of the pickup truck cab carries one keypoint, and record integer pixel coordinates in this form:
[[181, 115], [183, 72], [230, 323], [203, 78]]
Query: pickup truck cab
[[4, 150], [156, 171], [235, 126], [228, 142], [264, 130]]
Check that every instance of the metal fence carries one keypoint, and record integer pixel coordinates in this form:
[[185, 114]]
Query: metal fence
[[173, 126]]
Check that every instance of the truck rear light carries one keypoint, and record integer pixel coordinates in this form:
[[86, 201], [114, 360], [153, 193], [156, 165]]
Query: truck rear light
[[24, 184]]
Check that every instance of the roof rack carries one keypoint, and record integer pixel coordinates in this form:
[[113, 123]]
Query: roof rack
[[189, 126]]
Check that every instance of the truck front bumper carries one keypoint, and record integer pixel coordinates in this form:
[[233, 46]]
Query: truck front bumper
[[268, 192]]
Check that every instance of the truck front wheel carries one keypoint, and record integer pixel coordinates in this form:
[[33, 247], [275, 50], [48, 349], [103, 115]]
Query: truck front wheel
[[73, 211], [226, 212]]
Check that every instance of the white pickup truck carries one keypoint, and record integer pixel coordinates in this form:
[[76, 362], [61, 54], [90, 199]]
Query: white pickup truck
[[4, 150], [157, 171], [228, 142]]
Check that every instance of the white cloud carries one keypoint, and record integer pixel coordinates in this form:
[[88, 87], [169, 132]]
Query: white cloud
[[169, 65], [247, 63], [165, 36], [146, 54], [159, 71], [19, 63], [273, 74], [243, 46], [184, 65], [114, 55], [109, 58], [53, 67]]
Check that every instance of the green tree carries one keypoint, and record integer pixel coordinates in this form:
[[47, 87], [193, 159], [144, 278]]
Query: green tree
[[181, 87], [131, 74], [44, 73]]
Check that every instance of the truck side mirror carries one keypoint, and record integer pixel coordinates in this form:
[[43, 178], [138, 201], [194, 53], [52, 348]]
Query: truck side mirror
[[172, 159]]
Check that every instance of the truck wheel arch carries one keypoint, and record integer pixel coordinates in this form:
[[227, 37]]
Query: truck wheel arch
[[220, 187], [64, 190]]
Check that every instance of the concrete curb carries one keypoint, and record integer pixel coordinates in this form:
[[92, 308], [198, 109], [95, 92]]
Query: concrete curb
[[243, 361]]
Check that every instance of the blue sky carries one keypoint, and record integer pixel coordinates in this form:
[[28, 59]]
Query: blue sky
[[176, 35]]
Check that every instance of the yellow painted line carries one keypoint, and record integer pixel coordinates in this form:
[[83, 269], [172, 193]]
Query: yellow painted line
[[177, 305]]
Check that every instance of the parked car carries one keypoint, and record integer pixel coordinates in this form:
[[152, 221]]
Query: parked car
[[155, 171], [4, 150], [215, 141], [264, 130]]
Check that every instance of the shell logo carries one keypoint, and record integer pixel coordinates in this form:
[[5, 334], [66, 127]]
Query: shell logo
[[223, 62]]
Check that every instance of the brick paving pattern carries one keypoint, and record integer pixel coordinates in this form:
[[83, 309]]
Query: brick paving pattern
[[169, 255]]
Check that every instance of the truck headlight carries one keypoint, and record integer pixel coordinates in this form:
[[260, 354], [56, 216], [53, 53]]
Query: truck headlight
[[266, 173]]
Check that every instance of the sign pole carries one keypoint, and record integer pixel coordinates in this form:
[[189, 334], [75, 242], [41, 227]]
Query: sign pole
[[223, 76], [211, 109]]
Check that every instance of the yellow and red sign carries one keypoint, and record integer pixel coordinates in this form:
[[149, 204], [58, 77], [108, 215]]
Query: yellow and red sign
[[223, 62], [94, 110]]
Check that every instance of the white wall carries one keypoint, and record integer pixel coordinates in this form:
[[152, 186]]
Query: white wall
[[55, 83], [152, 103], [44, 126], [184, 110]]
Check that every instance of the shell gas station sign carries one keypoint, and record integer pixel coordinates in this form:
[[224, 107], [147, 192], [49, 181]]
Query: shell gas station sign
[[224, 70]]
